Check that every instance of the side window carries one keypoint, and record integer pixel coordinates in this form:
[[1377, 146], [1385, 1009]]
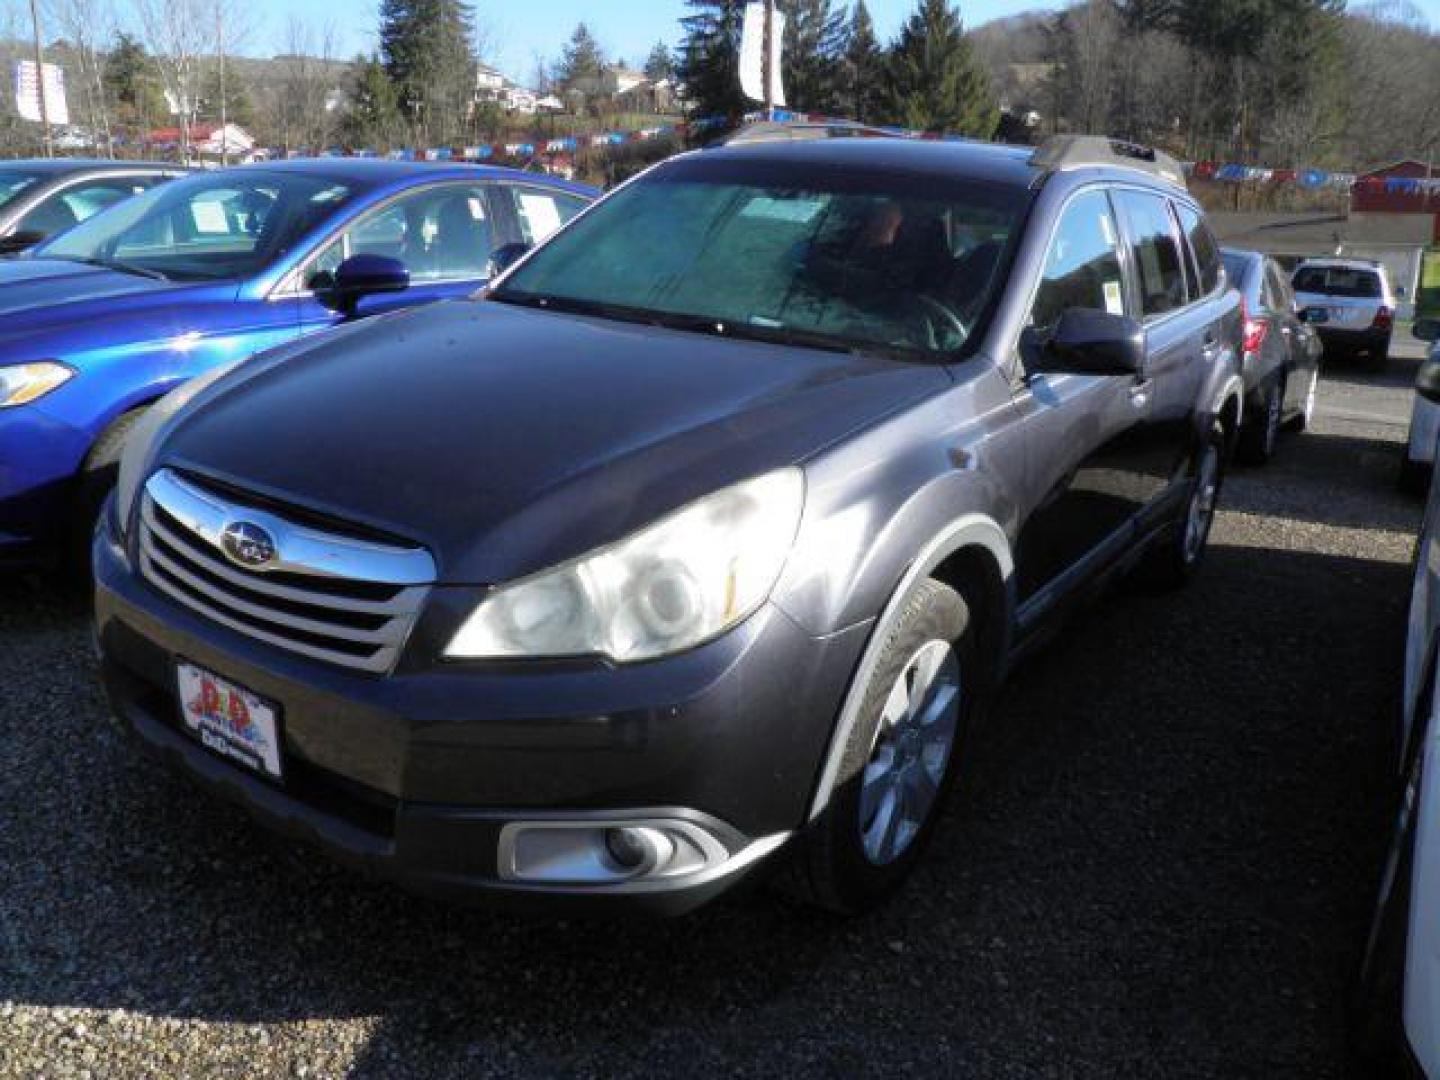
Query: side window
[[1202, 243], [1082, 266], [80, 201], [443, 233], [1155, 252], [541, 212]]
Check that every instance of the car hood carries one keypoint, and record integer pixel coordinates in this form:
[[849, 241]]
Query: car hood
[[30, 283], [507, 439]]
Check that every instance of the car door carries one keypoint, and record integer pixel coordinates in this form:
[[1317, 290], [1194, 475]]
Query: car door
[[446, 235], [1179, 281], [1087, 434]]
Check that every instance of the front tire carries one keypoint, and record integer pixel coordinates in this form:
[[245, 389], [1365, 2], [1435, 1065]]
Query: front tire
[[97, 478], [900, 759]]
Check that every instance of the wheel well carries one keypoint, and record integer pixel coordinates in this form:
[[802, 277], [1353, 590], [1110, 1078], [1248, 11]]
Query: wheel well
[[973, 572]]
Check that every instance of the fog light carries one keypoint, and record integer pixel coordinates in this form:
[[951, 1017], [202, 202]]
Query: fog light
[[606, 852]]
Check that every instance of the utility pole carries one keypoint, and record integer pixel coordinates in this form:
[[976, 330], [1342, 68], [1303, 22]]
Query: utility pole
[[765, 58], [220, 52], [40, 79]]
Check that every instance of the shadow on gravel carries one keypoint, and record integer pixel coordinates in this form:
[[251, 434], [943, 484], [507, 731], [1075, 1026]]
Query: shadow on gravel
[[1160, 864], [1399, 371], [1326, 479]]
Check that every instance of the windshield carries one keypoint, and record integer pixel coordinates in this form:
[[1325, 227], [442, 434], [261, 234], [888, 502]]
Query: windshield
[[1237, 268], [14, 183], [860, 260], [1338, 281], [218, 226]]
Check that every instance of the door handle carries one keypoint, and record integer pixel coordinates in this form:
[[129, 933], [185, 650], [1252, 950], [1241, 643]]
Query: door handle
[[1140, 393]]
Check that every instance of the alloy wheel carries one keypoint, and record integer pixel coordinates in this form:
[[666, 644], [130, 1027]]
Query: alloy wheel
[[1201, 512], [913, 743]]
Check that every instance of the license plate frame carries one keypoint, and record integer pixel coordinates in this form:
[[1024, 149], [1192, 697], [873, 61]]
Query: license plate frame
[[231, 721]]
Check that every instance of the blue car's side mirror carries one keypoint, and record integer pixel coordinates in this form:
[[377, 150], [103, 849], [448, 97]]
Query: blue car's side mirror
[[360, 276]]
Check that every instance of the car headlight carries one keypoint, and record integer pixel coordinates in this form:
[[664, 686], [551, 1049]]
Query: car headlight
[[22, 383], [141, 439], [679, 582]]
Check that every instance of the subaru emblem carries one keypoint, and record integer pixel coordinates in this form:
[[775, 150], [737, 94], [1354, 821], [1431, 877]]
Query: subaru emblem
[[248, 545]]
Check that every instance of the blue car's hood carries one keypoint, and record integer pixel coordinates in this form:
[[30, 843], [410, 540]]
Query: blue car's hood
[[28, 284], [507, 439]]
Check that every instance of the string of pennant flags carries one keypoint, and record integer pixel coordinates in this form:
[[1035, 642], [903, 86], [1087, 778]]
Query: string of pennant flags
[[536, 147]]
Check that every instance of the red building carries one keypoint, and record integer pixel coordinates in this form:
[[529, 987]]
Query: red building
[[1397, 189]]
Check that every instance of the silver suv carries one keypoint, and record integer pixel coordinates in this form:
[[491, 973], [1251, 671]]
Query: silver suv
[[1357, 302]]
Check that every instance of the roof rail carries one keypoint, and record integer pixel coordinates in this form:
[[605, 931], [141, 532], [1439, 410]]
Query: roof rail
[[803, 130], [1077, 151]]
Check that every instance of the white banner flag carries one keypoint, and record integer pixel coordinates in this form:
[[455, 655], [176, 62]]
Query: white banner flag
[[752, 53], [27, 93]]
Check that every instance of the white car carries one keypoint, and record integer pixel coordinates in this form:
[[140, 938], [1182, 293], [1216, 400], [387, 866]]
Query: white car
[[1358, 302], [1399, 991], [1419, 458]]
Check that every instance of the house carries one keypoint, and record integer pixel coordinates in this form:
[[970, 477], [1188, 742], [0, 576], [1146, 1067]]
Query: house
[[1399, 188], [207, 140]]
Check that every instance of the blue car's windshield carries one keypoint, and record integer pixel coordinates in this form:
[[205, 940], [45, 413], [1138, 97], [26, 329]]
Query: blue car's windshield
[[861, 261], [213, 227]]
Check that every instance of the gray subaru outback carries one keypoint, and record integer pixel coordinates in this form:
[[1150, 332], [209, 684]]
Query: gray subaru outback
[[695, 545]]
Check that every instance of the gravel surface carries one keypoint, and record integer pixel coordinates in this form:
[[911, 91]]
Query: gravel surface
[[1160, 865]]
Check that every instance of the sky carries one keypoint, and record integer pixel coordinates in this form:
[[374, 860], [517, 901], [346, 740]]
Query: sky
[[522, 29]]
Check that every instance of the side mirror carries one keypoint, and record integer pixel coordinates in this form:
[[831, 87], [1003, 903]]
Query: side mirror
[[507, 255], [1427, 380], [1314, 315], [20, 241], [1426, 329], [360, 276], [1090, 342]]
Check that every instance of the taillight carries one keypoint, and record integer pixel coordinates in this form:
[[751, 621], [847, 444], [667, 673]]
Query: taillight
[[1384, 318], [1255, 330]]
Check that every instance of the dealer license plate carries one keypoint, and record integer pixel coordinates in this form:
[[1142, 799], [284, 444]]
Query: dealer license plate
[[230, 720]]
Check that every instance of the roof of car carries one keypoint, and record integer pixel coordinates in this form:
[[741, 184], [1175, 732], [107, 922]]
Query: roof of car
[[59, 166], [980, 161], [1347, 264], [377, 172]]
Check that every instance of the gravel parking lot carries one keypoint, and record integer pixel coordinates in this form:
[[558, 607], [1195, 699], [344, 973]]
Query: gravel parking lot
[[1162, 865]]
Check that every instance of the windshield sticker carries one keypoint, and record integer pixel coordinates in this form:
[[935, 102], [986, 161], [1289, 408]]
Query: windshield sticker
[[541, 214], [209, 217], [1114, 299], [795, 211]]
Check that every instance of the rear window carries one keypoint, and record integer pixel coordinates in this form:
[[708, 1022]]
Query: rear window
[[1338, 281]]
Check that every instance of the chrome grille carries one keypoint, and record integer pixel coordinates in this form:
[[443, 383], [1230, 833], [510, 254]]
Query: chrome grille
[[336, 598]]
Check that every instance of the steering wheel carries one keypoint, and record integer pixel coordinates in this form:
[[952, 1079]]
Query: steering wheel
[[945, 315]]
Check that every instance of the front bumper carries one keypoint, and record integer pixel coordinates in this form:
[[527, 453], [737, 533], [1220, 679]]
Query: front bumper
[[39, 457], [413, 776]]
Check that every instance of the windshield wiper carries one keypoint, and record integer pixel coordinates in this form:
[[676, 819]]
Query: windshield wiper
[[112, 264]]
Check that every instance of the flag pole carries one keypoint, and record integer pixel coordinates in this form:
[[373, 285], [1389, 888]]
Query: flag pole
[[40, 79], [765, 61]]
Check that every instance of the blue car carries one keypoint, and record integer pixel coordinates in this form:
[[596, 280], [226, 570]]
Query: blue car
[[105, 318]]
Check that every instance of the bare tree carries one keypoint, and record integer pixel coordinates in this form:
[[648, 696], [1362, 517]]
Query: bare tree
[[87, 25], [307, 91]]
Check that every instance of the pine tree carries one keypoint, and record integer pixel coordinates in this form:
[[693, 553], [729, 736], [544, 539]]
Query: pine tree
[[659, 64], [709, 64], [813, 55], [864, 67], [133, 83], [426, 47], [935, 82], [372, 117], [580, 74]]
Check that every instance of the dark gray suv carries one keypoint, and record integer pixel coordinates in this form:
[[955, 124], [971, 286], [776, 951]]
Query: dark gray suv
[[696, 544]]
